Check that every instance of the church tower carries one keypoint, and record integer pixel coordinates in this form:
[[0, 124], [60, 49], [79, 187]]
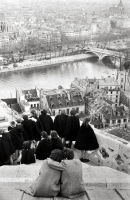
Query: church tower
[[117, 10]]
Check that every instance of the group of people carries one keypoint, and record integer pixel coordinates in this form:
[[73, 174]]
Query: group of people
[[59, 175], [48, 134], [41, 137]]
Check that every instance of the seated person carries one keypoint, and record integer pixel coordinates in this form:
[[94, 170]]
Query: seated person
[[71, 177], [56, 141], [44, 147], [47, 183], [28, 155]]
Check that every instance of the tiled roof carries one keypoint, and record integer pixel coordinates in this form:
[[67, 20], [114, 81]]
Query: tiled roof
[[118, 113], [16, 107], [10, 101], [67, 98], [108, 82], [30, 95], [108, 101]]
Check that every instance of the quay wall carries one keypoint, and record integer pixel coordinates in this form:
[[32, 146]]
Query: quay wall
[[113, 152], [29, 64]]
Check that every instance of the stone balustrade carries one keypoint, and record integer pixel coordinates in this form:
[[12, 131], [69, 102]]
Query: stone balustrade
[[114, 152]]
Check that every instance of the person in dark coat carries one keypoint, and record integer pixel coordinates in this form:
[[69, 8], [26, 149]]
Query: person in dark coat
[[30, 129], [56, 141], [28, 155], [34, 114], [16, 135], [6, 148], [45, 122], [72, 128], [86, 138], [44, 147], [60, 122], [12, 125]]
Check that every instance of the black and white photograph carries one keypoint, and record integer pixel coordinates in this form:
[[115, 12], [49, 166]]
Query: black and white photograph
[[64, 99]]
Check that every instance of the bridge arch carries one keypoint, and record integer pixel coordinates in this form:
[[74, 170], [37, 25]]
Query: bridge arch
[[93, 53]]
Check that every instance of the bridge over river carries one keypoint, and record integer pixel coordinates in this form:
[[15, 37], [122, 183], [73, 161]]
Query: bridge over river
[[101, 53]]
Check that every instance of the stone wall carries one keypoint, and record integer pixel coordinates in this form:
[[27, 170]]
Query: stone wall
[[114, 152]]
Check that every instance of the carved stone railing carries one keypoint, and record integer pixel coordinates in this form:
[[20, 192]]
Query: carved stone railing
[[114, 152]]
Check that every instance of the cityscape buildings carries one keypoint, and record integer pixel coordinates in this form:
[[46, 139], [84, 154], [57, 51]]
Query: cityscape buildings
[[48, 32]]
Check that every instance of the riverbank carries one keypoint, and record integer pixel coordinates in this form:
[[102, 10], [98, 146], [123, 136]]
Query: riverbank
[[28, 64]]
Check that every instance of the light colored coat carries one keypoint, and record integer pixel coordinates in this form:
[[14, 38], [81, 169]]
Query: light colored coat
[[71, 178], [48, 182]]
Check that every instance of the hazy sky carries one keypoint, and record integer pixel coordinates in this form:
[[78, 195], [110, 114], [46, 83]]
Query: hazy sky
[[33, 2], [97, 1]]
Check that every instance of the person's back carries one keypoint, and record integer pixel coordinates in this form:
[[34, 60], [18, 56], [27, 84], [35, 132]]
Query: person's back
[[43, 149], [47, 183], [56, 141], [60, 122], [29, 128], [86, 138], [45, 122], [72, 128], [28, 155], [71, 179], [17, 136]]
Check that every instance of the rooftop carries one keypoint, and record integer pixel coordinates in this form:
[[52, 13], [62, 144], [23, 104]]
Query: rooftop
[[30, 94], [67, 98]]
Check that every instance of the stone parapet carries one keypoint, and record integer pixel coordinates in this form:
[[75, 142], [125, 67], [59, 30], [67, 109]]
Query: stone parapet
[[114, 152]]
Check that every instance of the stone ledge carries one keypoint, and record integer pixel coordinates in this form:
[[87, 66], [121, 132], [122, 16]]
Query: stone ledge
[[93, 176]]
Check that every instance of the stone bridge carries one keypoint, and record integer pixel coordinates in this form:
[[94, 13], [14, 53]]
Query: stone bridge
[[101, 53]]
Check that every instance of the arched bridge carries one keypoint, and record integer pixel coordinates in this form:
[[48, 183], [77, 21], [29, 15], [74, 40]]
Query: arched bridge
[[101, 53]]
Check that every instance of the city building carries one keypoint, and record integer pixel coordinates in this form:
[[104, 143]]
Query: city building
[[61, 99], [117, 10], [84, 85], [6, 115], [123, 79], [112, 89], [109, 117], [28, 99]]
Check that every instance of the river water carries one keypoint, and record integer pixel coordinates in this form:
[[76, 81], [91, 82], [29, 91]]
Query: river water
[[62, 74]]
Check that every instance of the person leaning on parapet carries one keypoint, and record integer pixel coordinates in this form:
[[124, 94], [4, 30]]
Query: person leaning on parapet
[[86, 139], [45, 122]]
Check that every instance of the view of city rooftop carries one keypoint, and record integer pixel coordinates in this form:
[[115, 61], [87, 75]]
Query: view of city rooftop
[[65, 87]]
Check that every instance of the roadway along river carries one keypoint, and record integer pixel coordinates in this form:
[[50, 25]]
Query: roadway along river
[[62, 74]]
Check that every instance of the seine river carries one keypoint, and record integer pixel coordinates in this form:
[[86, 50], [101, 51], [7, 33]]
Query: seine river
[[62, 74]]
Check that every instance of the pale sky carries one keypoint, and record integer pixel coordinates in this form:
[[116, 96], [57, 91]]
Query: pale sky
[[24, 2]]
